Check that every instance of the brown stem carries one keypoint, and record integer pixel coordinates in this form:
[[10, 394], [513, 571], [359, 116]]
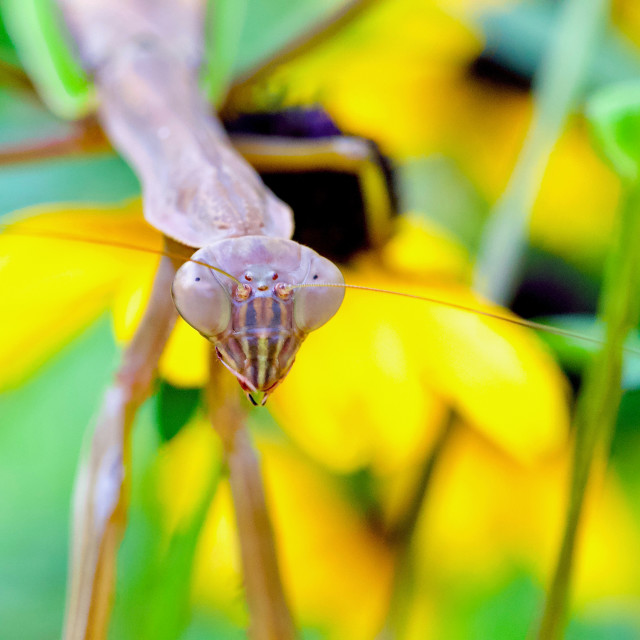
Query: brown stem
[[320, 32], [15, 78], [85, 136], [269, 613]]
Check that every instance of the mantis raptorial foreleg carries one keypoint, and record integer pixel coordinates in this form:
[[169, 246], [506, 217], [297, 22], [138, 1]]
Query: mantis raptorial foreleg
[[100, 502]]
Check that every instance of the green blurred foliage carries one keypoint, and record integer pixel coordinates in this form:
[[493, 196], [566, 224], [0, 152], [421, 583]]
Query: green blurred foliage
[[38, 458], [174, 408], [37, 461], [267, 26], [614, 115], [574, 354], [518, 35], [99, 177], [8, 53], [435, 187], [45, 52], [153, 592]]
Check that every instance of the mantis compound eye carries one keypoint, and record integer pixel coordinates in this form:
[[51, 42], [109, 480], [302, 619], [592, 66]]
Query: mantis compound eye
[[315, 305], [201, 299]]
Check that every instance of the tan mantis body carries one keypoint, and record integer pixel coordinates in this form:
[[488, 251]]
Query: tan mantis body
[[197, 189], [144, 57]]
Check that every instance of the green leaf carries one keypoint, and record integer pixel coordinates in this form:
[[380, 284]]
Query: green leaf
[[174, 408], [614, 115], [617, 625], [206, 626], [241, 35], [99, 178], [224, 24], [25, 120], [42, 427], [244, 34], [501, 608], [37, 31], [8, 53]]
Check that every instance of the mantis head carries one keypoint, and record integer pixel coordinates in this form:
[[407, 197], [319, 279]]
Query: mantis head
[[245, 296]]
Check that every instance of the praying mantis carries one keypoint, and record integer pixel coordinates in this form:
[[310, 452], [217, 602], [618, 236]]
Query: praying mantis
[[187, 168]]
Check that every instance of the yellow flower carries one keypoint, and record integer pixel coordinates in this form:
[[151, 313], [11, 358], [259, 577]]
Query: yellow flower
[[488, 516], [52, 289], [401, 76], [576, 206], [368, 391], [336, 571], [626, 15], [382, 77], [370, 388], [393, 360]]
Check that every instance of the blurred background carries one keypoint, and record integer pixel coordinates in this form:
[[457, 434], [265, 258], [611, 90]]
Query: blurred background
[[417, 457]]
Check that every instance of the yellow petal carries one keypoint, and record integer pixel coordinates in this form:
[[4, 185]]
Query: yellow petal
[[354, 397], [368, 388], [626, 15], [336, 572], [183, 472], [609, 551], [487, 514], [217, 574], [421, 248], [185, 360], [498, 376], [53, 288], [577, 203], [412, 48]]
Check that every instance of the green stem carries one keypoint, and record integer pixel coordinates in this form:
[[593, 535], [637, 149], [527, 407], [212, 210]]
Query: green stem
[[598, 403], [406, 523], [401, 536], [559, 82]]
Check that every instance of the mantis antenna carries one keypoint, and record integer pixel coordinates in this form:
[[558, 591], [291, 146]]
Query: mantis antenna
[[57, 235], [461, 307], [537, 326]]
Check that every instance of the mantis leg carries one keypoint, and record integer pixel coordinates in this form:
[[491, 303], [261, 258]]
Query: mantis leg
[[101, 491], [268, 609]]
